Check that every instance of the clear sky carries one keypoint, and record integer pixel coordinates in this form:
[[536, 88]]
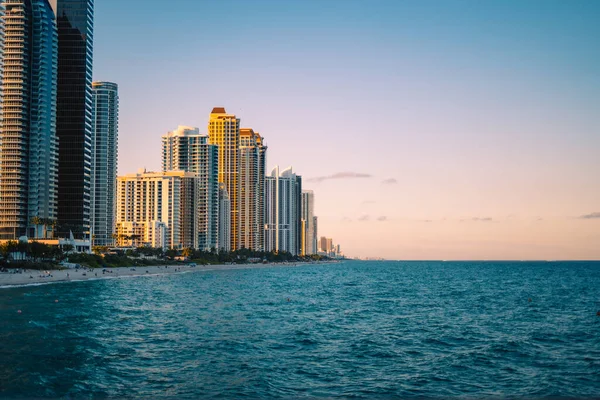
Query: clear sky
[[427, 129]]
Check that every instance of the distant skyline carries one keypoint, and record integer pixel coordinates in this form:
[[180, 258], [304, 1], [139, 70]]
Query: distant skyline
[[427, 129]]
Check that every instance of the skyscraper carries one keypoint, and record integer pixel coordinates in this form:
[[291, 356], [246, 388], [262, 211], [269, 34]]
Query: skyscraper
[[104, 161], [158, 207], [283, 208], [75, 20], [224, 222], [309, 234], [252, 186], [224, 131], [28, 142], [185, 149]]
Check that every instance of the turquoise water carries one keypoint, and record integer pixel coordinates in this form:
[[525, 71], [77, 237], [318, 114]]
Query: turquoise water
[[349, 330]]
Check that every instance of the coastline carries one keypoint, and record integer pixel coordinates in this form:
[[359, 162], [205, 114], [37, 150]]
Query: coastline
[[37, 278]]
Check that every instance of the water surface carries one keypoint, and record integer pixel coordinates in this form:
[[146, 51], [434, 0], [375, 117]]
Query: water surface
[[350, 330]]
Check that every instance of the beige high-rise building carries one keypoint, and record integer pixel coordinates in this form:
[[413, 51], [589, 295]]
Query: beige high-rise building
[[252, 177], [159, 209], [224, 131]]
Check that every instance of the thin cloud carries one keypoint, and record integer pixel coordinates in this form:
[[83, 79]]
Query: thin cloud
[[346, 219], [368, 202], [477, 219], [364, 218], [594, 215], [340, 175], [382, 218], [390, 181]]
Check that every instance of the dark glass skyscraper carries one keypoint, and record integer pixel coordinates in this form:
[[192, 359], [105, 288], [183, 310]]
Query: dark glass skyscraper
[[75, 19]]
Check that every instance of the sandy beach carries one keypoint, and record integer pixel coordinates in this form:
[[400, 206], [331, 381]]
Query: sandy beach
[[35, 277]]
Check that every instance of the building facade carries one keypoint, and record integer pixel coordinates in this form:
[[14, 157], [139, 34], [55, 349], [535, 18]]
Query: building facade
[[224, 131], [104, 162], [252, 176], [224, 243], [75, 20], [28, 141], [156, 208], [309, 228], [283, 192], [185, 149]]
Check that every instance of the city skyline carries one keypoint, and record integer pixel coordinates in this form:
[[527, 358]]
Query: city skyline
[[428, 133]]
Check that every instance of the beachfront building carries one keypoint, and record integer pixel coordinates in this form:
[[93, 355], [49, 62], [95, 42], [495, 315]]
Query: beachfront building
[[283, 211], [252, 185], [309, 226], [28, 141], [75, 20], [146, 199], [185, 149], [105, 122], [224, 131], [224, 243]]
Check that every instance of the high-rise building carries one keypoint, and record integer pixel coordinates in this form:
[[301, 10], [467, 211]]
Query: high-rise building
[[252, 176], [75, 20], [309, 233], [283, 193], [28, 142], [159, 207], [185, 149], [224, 131], [105, 124], [224, 219], [326, 245]]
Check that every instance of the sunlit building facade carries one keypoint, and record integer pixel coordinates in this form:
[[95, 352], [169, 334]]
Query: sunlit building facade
[[147, 198], [75, 20], [283, 228], [224, 131], [104, 162], [185, 149], [309, 227], [252, 176], [28, 141]]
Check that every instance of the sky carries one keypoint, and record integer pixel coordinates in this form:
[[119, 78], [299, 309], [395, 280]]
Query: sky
[[427, 129]]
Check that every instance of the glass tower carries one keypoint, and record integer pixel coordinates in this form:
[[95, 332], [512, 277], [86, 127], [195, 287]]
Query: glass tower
[[75, 19], [28, 143], [104, 162]]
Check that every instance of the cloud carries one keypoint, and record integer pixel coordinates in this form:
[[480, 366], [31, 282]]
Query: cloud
[[368, 202], [382, 218], [477, 219], [594, 215], [364, 218], [390, 181], [346, 219], [340, 175]]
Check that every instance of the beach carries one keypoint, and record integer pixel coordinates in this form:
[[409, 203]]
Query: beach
[[36, 277]]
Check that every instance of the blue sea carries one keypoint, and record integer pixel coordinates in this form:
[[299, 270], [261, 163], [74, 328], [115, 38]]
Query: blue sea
[[348, 330]]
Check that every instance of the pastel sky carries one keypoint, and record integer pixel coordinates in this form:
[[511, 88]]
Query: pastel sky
[[427, 129]]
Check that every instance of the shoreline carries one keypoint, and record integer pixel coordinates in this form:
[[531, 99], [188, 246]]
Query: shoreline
[[39, 278]]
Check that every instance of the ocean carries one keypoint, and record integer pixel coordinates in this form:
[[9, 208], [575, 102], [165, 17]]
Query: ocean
[[356, 329]]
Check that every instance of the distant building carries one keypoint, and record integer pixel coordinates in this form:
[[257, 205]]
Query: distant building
[[283, 208], [224, 243], [309, 230], [28, 139], [159, 208], [105, 124], [326, 245], [252, 186], [224, 131], [185, 149]]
